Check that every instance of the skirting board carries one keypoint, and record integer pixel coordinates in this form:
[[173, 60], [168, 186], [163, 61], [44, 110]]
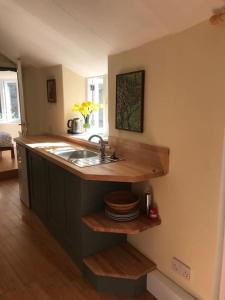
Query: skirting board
[[164, 289]]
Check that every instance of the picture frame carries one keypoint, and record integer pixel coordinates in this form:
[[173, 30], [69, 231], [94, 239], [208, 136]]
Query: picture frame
[[130, 101], [51, 91]]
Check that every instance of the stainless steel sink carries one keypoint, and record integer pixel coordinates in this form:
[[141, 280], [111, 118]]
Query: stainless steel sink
[[70, 154], [81, 158]]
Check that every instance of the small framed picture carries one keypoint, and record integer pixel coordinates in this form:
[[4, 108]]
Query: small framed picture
[[130, 101], [51, 90]]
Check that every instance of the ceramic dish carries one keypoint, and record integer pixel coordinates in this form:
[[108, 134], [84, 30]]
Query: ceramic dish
[[121, 201]]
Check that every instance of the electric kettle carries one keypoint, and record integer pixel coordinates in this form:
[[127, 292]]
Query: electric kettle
[[75, 126]]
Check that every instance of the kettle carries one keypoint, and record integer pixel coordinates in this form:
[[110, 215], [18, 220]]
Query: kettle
[[75, 126]]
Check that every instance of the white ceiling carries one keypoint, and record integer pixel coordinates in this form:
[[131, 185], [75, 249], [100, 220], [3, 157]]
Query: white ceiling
[[80, 34]]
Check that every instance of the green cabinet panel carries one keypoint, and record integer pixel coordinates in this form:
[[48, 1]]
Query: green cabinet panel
[[73, 217], [56, 201], [38, 175]]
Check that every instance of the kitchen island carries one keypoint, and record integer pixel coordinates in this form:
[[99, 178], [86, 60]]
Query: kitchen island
[[63, 195]]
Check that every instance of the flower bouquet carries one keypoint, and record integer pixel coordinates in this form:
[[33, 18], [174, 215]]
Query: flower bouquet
[[86, 108]]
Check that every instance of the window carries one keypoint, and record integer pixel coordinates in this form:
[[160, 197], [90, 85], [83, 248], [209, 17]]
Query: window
[[9, 102], [95, 93]]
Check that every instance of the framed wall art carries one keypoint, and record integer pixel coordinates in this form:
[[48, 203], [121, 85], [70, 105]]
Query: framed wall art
[[130, 101], [51, 90]]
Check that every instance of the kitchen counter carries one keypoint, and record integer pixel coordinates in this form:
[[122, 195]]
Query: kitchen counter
[[148, 161]]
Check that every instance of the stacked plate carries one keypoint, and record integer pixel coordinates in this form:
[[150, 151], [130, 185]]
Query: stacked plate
[[122, 206], [122, 217]]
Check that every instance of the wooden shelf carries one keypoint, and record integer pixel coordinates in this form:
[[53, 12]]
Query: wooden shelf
[[101, 223], [123, 261]]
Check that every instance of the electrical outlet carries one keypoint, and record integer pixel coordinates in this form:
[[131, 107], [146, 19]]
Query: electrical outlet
[[182, 269]]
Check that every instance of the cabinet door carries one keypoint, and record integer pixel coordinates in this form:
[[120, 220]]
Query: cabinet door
[[38, 173], [56, 202], [73, 217]]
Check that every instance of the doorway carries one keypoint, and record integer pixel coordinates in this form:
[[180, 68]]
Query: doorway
[[220, 275], [10, 120]]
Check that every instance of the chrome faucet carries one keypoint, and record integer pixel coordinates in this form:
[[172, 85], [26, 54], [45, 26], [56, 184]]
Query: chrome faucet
[[102, 142]]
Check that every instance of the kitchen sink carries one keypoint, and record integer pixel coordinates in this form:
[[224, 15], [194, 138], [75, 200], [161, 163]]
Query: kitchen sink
[[81, 158], [69, 154]]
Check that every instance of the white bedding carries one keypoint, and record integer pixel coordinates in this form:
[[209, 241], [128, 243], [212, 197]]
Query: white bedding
[[5, 139]]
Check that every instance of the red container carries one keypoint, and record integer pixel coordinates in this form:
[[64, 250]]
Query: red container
[[153, 214]]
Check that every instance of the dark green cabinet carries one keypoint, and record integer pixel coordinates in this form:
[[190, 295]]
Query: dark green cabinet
[[64, 216], [56, 202], [56, 198], [73, 233], [60, 199]]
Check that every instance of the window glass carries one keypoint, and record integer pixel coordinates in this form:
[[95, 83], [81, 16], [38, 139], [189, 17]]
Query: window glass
[[101, 112], [96, 94], [1, 109], [9, 102], [13, 101]]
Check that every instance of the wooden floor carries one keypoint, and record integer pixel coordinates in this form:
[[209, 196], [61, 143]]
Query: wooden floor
[[32, 264]]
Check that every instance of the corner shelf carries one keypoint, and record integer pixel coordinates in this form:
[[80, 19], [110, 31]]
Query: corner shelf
[[101, 223], [121, 261]]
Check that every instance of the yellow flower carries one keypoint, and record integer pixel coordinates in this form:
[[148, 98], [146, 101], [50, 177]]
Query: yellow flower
[[84, 111], [95, 107], [75, 107], [85, 104], [85, 108]]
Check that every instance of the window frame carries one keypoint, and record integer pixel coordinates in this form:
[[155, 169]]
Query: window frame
[[5, 103], [89, 97]]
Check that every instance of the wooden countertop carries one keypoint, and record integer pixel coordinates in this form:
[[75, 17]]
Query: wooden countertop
[[128, 170]]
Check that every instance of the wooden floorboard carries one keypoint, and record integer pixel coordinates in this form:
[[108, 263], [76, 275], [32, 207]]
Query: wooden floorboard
[[32, 264]]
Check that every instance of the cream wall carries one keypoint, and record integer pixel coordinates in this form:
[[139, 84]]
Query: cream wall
[[5, 62], [34, 100], [74, 87], [8, 75], [185, 111], [54, 112], [44, 117]]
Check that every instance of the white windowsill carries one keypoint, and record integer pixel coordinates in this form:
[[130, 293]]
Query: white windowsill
[[9, 123], [85, 135]]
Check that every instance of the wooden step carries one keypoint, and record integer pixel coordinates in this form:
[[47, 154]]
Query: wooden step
[[8, 174], [101, 223], [123, 261]]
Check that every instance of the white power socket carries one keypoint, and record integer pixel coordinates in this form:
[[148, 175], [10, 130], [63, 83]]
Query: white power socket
[[179, 267]]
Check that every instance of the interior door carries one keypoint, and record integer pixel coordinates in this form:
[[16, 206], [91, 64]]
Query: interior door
[[21, 97]]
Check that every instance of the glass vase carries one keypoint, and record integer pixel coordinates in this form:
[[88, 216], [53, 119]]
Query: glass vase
[[87, 123]]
